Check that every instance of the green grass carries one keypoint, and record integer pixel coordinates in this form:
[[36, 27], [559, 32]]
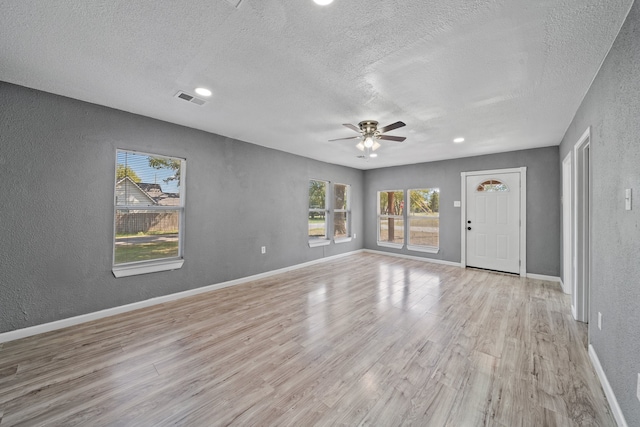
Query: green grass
[[148, 233], [145, 251], [425, 222]]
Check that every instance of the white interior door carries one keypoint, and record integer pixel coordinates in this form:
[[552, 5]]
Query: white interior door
[[493, 221]]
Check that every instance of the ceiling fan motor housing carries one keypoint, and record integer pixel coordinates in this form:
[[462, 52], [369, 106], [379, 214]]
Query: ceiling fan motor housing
[[368, 127]]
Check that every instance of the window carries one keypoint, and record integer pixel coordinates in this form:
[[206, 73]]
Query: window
[[341, 213], [424, 220], [492, 185], [318, 213], [149, 213], [391, 218]]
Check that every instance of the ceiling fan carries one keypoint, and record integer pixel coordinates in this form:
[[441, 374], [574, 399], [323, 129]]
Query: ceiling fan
[[370, 134]]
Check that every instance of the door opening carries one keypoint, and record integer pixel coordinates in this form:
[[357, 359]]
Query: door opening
[[567, 227], [582, 246]]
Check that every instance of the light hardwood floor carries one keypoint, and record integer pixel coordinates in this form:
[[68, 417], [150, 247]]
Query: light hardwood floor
[[363, 340]]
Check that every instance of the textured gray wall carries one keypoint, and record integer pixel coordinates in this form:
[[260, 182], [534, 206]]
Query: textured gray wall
[[543, 202], [612, 109], [57, 158]]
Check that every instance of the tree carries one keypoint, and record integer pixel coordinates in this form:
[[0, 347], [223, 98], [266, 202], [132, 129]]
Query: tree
[[165, 163], [434, 202], [317, 194], [391, 203], [339, 220], [419, 200], [124, 171]]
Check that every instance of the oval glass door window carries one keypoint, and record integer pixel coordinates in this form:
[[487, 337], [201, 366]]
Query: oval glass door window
[[492, 185]]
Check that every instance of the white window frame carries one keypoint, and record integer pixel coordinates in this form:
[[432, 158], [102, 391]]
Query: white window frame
[[348, 237], [319, 241], [412, 247], [157, 265], [380, 216]]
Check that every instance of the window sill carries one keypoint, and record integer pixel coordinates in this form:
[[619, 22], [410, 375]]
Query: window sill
[[391, 245], [316, 243], [342, 240], [147, 267], [427, 249]]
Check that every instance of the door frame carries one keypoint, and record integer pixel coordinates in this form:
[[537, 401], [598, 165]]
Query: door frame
[[523, 213], [582, 228], [567, 225]]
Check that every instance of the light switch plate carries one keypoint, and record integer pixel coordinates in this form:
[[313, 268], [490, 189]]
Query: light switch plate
[[599, 320], [456, 204], [627, 199]]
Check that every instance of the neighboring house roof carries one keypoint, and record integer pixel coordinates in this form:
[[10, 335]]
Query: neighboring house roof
[[152, 192], [150, 189], [141, 196], [168, 199]]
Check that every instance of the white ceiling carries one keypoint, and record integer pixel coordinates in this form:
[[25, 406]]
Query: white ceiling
[[285, 74]]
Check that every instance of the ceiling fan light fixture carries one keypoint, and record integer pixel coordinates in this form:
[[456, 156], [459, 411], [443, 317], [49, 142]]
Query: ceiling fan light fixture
[[369, 134], [368, 141], [323, 2], [373, 155], [458, 140]]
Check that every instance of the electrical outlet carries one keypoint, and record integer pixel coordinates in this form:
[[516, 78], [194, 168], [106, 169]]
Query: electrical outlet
[[264, 249], [599, 320], [638, 390]]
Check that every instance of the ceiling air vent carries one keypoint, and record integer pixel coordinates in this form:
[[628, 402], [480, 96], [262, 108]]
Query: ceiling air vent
[[190, 98]]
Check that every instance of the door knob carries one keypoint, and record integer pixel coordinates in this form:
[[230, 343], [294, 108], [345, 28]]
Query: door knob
[[469, 222], [468, 228]]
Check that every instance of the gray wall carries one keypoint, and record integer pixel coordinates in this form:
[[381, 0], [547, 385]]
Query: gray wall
[[57, 160], [543, 202], [612, 109]]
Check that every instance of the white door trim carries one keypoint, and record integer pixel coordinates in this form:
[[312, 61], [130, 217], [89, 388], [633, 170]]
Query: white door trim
[[523, 213], [567, 226], [581, 228]]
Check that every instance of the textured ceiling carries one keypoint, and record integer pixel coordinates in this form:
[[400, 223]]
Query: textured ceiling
[[506, 75]]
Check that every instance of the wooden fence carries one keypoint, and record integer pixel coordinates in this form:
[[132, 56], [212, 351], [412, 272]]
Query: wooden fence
[[147, 222]]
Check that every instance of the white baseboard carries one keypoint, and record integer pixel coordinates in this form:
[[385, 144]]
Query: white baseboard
[[608, 391], [543, 277], [565, 289], [76, 320], [416, 258]]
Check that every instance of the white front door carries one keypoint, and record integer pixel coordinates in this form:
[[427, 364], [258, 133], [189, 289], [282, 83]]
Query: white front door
[[493, 221]]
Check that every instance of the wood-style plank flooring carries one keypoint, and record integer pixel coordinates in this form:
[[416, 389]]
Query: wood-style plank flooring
[[363, 340]]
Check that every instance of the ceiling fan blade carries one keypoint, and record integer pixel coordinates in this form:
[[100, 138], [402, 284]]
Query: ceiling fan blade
[[392, 138], [392, 126], [352, 127], [341, 139]]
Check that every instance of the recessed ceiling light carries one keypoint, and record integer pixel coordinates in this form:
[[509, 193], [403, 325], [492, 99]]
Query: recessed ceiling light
[[323, 2], [203, 91], [458, 140], [373, 155]]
